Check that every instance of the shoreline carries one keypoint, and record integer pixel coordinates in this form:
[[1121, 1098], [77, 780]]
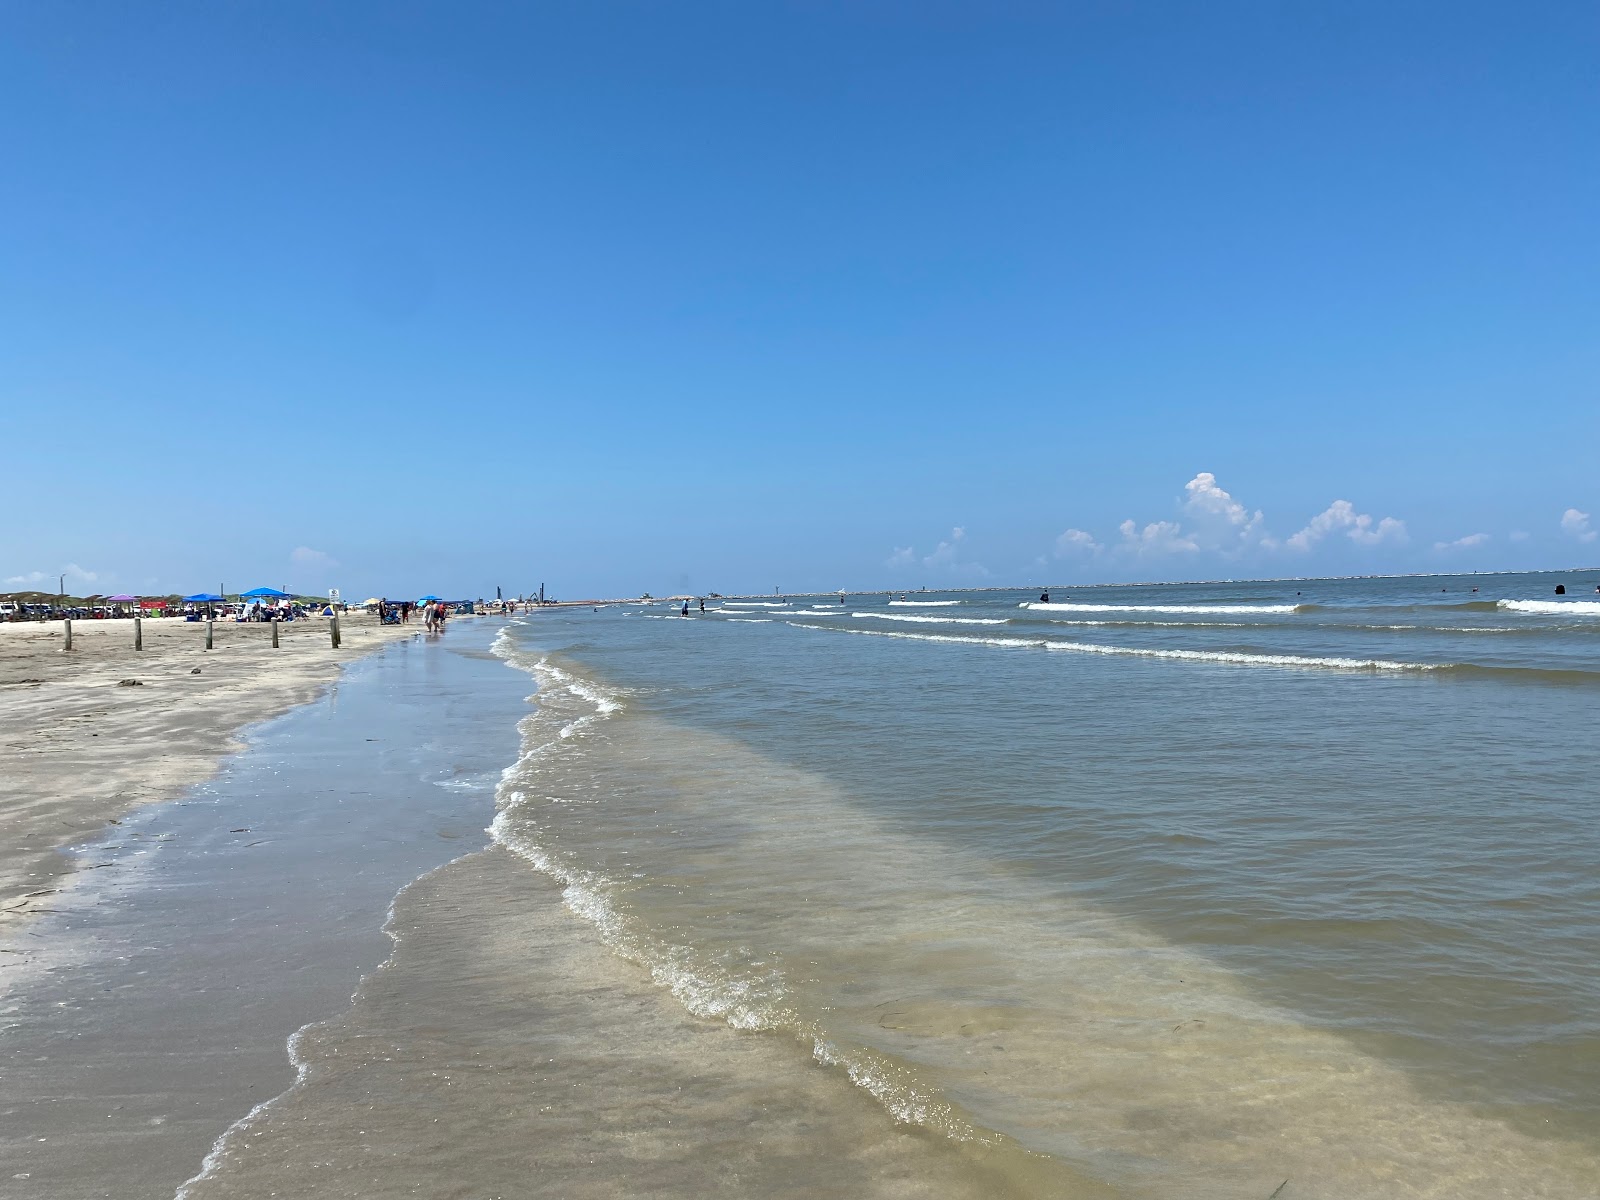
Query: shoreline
[[82, 750], [154, 1000]]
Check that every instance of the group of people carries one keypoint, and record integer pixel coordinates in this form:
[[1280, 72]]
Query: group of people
[[399, 612], [257, 611]]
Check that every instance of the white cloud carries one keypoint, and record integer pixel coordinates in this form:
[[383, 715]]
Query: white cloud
[[1075, 541], [1219, 522], [1341, 517], [305, 556], [946, 556], [1158, 537], [1519, 535], [1463, 543], [1576, 524], [946, 552], [72, 571]]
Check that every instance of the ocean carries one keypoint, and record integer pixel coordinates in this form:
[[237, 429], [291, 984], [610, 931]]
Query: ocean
[[1254, 890], [1166, 890]]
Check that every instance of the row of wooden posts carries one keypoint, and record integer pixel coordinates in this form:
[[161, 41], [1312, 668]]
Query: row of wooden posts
[[138, 633]]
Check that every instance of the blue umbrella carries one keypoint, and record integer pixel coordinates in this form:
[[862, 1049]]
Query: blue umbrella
[[427, 598], [265, 594]]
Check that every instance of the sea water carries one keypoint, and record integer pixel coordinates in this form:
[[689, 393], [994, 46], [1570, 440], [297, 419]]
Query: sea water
[[1188, 890]]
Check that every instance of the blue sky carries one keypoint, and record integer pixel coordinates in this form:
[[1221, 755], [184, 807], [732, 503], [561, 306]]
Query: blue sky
[[397, 297]]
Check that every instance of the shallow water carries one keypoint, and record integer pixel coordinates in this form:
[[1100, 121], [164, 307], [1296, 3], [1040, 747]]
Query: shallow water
[[204, 932], [1190, 891], [1187, 889]]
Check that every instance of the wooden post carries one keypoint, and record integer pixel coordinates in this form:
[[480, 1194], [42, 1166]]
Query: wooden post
[[334, 629], [208, 634], [138, 633], [274, 633], [68, 623]]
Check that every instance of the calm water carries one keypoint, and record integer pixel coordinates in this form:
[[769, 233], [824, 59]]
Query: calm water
[[1187, 889]]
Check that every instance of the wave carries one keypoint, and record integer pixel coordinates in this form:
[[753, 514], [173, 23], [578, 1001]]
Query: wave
[[1237, 657], [1574, 677], [923, 603], [1552, 608], [705, 987], [751, 620], [1167, 608], [919, 617], [755, 604]]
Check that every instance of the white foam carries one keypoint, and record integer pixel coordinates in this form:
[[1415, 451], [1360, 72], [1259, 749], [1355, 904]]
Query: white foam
[[923, 603], [1553, 608], [755, 604], [926, 619], [1238, 657], [1221, 609], [751, 620], [1246, 658]]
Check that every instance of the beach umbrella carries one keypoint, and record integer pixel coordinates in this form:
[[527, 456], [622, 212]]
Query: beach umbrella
[[428, 598], [265, 594]]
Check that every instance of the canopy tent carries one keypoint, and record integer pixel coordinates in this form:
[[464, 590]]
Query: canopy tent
[[121, 599], [265, 594], [202, 598]]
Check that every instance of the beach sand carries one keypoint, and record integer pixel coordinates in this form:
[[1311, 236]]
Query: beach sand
[[79, 750]]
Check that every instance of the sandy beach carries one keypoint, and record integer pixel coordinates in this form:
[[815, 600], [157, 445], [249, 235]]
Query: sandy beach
[[80, 749]]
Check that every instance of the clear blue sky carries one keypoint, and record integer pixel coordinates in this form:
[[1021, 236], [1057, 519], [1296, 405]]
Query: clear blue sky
[[403, 296]]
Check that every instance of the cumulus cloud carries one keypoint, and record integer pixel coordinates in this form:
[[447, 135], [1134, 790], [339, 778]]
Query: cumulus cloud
[[72, 571], [946, 557], [1341, 517], [1075, 541], [1217, 521], [1463, 543], [1213, 521], [945, 554], [1576, 524], [1158, 537], [305, 556]]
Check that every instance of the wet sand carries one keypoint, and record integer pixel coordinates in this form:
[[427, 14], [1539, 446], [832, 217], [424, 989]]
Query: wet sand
[[504, 1051], [79, 751], [161, 990]]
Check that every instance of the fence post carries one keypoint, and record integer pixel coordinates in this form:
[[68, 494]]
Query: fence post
[[138, 633], [274, 633], [333, 628], [68, 622], [208, 635]]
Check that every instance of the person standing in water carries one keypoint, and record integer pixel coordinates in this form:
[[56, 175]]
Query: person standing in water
[[1044, 597], [685, 612], [702, 607]]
